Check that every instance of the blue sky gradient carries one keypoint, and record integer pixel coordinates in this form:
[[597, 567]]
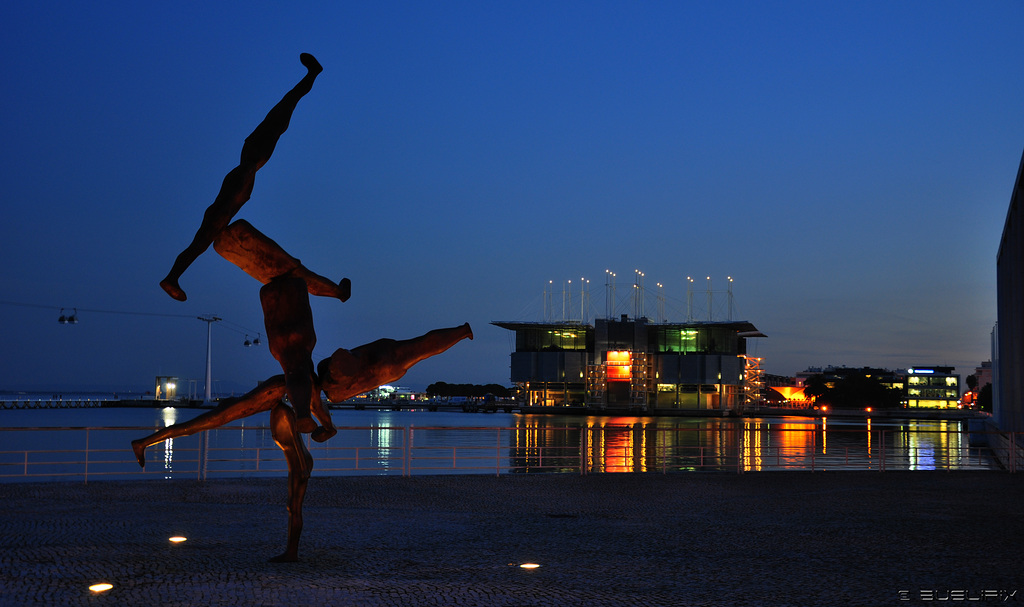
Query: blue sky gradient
[[849, 165]]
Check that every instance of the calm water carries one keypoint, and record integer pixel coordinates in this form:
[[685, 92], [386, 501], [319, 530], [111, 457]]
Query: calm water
[[51, 443]]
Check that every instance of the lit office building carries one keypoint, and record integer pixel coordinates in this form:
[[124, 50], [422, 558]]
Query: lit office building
[[932, 387]]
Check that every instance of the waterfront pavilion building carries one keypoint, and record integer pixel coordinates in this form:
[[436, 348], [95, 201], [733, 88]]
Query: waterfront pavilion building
[[634, 364]]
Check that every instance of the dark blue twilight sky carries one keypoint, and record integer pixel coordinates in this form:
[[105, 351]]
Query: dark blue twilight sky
[[848, 164]]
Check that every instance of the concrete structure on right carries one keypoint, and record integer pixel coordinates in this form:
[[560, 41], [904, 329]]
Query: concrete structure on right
[[1008, 336]]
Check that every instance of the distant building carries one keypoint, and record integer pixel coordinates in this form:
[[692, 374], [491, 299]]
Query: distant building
[[984, 374], [932, 387], [1008, 337], [166, 388], [634, 364]]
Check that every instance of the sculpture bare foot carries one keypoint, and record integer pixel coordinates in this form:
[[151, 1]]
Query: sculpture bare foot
[[344, 289], [284, 557], [323, 433], [172, 288], [139, 447], [311, 63]]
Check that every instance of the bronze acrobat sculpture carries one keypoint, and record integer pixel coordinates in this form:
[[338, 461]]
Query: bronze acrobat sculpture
[[288, 320]]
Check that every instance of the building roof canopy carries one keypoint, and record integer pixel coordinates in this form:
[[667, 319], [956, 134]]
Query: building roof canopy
[[743, 327]]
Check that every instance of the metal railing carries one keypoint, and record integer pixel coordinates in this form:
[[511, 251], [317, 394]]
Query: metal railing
[[91, 453]]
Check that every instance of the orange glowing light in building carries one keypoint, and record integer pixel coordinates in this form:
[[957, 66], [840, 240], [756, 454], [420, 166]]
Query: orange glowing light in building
[[791, 392], [619, 365]]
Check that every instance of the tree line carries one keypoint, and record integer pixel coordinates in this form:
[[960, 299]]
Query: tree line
[[859, 388], [444, 389]]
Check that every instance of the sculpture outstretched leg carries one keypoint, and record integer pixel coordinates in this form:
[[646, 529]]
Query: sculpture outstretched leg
[[263, 259], [300, 466], [348, 373], [289, 323], [262, 398], [237, 185]]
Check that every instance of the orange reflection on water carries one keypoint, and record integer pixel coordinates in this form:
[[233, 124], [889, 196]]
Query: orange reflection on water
[[618, 449], [778, 444], [619, 444]]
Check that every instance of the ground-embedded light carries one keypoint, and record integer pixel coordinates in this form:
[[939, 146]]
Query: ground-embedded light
[[97, 588], [529, 566], [177, 539]]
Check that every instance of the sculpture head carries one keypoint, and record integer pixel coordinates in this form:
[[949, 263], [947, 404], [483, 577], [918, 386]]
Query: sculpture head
[[339, 376]]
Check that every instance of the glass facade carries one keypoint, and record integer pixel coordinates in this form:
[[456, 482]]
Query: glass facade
[[689, 340], [546, 339]]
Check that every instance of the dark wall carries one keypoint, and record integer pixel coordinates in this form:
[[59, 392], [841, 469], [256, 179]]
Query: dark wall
[[1010, 330]]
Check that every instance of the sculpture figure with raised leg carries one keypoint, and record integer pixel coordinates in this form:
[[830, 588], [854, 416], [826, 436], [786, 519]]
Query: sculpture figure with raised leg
[[238, 183], [345, 374]]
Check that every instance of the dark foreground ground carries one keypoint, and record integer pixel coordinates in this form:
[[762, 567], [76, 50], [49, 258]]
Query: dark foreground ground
[[789, 538]]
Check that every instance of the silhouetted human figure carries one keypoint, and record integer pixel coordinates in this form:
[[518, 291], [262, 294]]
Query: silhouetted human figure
[[289, 323], [238, 183], [263, 259]]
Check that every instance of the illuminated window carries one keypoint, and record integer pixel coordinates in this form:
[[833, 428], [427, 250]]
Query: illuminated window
[[619, 365]]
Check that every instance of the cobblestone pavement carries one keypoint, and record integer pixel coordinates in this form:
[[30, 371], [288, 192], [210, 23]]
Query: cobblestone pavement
[[790, 538]]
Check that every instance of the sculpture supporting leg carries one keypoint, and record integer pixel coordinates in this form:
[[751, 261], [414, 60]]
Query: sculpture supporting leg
[[350, 372], [237, 185], [289, 323], [263, 259], [300, 466]]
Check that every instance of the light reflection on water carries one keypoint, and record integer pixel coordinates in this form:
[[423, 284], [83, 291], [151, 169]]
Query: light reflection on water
[[458, 442], [645, 444]]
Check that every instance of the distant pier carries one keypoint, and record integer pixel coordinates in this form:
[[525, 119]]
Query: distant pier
[[54, 404]]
